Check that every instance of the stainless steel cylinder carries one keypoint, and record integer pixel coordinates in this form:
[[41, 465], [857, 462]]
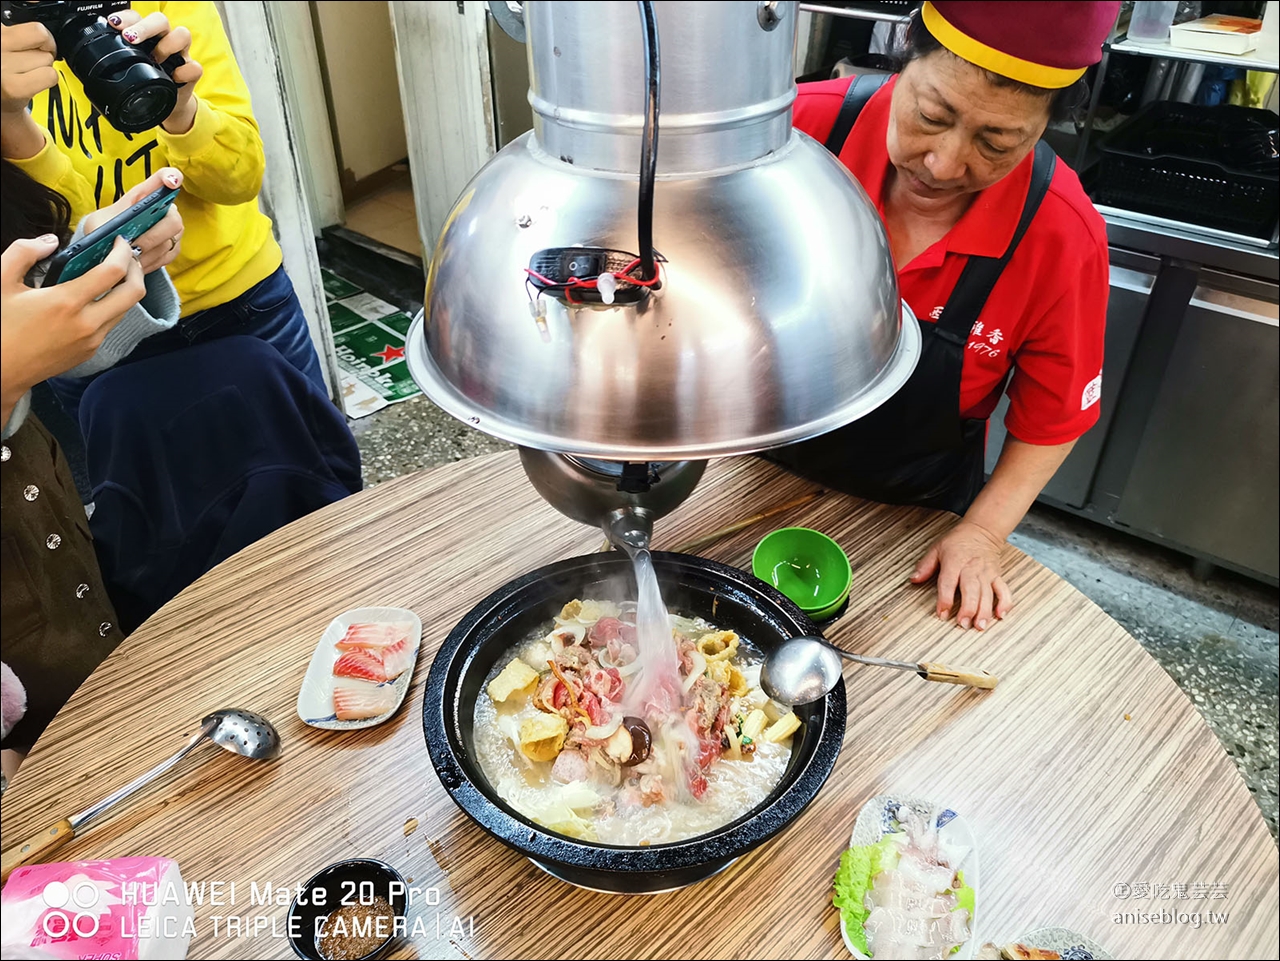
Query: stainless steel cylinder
[[726, 83]]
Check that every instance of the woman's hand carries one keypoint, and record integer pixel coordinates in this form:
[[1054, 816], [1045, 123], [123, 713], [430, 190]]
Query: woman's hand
[[50, 330], [967, 559], [135, 29], [159, 245], [26, 67]]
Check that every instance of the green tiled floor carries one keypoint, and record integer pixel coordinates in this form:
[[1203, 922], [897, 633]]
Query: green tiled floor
[[369, 337]]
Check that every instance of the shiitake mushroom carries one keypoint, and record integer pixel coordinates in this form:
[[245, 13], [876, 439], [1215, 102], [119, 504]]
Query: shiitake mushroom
[[641, 739]]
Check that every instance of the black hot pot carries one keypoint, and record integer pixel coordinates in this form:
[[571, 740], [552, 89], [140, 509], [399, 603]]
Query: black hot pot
[[693, 586]]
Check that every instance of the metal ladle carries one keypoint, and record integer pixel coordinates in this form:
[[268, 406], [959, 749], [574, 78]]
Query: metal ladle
[[241, 732], [805, 669]]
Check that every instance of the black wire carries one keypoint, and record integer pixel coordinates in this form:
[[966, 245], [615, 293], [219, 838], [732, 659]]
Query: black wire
[[649, 143]]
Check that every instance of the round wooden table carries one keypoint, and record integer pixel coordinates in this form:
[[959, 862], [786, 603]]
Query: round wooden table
[[1085, 776]]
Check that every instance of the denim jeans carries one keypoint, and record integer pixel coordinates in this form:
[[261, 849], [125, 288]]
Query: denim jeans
[[269, 311]]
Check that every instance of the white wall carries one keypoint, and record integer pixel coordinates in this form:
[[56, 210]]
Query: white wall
[[443, 56], [359, 60]]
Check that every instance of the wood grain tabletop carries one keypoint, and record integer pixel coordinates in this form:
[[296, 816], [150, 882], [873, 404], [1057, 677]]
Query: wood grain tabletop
[[1097, 794]]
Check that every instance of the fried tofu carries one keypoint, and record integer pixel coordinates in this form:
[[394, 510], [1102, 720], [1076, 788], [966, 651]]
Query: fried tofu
[[516, 678], [542, 736], [718, 645]]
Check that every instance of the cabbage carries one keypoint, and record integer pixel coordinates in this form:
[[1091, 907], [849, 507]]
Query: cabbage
[[558, 808]]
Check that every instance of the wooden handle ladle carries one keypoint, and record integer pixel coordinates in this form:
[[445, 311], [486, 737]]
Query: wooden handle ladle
[[804, 669]]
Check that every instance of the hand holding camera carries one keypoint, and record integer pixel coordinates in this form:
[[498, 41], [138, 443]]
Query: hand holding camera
[[134, 69], [26, 66], [167, 45]]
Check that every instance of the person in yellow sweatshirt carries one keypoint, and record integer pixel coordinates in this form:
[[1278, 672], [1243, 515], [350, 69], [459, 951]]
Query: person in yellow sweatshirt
[[228, 273]]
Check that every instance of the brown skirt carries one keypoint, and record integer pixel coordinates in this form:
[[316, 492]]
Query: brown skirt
[[56, 621]]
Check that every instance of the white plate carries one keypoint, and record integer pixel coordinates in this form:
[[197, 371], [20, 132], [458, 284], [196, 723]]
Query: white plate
[[875, 820], [315, 699], [1068, 943]]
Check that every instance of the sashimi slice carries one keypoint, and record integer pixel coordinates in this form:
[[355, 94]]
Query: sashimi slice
[[362, 664], [396, 658], [358, 700], [375, 635]]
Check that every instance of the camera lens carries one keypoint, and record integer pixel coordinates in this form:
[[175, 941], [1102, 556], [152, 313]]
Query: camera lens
[[138, 109], [122, 81]]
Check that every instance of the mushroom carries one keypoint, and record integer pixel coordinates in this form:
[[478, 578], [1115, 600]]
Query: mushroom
[[640, 736]]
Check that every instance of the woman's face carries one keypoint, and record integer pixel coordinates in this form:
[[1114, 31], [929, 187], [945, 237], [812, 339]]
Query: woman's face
[[952, 131]]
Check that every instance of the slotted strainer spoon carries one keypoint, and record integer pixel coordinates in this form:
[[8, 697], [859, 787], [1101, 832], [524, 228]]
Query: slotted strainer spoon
[[241, 732]]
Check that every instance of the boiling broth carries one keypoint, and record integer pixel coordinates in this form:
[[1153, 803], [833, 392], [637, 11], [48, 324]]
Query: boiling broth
[[618, 804]]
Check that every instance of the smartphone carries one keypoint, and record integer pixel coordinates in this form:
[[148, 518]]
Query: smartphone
[[91, 250]]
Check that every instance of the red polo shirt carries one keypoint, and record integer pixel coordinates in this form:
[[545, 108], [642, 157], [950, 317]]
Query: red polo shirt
[[1046, 314]]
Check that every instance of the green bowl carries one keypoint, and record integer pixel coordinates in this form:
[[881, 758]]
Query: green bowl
[[807, 566]]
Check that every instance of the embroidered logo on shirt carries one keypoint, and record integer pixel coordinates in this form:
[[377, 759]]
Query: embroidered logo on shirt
[[1092, 392], [936, 312], [992, 337]]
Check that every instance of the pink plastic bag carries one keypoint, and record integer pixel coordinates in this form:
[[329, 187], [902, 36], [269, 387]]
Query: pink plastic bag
[[134, 908]]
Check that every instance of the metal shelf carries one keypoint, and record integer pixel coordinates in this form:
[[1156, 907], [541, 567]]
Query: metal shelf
[[855, 13], [1265, 58]]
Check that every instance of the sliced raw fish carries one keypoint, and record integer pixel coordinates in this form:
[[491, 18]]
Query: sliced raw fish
[[894, 936], [375, 635], [923, 875], [913, 906], [357, 700], [397, 657], [953, 927], [362, 664]]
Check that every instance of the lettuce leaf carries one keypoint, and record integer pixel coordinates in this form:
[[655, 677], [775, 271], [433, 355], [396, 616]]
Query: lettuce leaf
[[965, 898], [964, 895], [858, 868]]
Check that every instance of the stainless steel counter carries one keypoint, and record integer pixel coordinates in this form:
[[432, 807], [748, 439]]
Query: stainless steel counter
[[1185, 450], [1207, 248]]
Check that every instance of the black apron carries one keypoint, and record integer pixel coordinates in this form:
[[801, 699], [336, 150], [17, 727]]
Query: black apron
[[916, 448]]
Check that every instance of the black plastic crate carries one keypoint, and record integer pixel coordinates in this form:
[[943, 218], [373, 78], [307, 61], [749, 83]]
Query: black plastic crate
[[1212, 166]]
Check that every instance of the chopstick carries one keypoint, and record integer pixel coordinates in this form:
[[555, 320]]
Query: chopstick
[[690, 547]]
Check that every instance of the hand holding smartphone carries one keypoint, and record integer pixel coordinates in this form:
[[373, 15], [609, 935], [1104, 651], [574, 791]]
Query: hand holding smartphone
[[144, 217]]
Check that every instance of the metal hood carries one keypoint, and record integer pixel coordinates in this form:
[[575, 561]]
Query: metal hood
[[776, 315]]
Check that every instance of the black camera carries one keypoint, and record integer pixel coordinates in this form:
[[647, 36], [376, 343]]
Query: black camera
[[119, 78]]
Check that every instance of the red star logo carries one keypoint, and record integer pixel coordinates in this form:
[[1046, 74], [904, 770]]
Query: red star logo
[[389, 353]]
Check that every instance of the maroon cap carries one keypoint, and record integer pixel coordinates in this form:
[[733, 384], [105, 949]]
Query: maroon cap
[[1046, 43]]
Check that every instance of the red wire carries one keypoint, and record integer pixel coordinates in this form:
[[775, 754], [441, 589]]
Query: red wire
[[537, 276], [593, 283]]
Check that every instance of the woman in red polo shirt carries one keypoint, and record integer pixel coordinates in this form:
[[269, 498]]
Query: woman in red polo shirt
[[1000, 255]]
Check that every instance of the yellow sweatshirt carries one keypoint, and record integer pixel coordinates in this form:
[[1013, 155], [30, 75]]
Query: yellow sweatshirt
[[227, 246]]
